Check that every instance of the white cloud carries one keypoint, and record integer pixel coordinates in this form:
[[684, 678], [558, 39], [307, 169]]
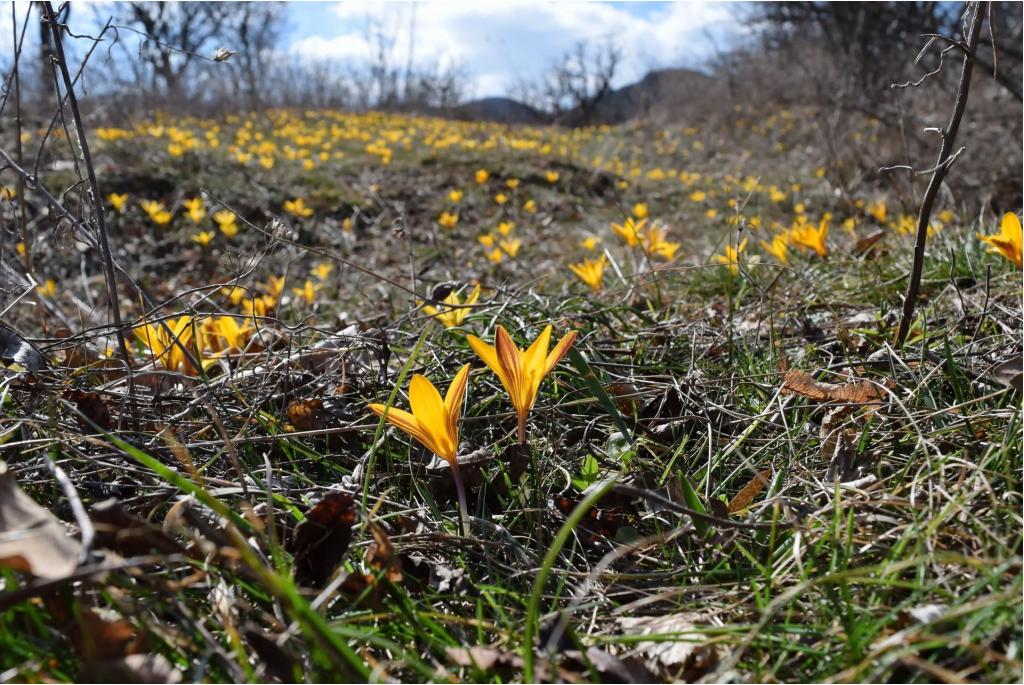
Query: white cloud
[[499, 42]]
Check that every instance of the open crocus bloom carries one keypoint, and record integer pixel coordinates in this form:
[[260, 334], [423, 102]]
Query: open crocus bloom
[[521, 371], [433, 422]]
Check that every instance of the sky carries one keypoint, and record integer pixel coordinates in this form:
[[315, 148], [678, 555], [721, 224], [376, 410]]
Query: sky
[[496, 43]]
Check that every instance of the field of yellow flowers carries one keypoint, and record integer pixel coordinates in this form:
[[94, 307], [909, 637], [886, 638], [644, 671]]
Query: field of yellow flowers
[[423, 400]]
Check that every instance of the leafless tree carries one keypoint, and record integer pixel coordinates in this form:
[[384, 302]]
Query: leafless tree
[[175, 33], [257, 27], [572, 88]]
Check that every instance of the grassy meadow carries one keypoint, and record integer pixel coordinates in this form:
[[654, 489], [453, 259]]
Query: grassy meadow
[[714, 464]]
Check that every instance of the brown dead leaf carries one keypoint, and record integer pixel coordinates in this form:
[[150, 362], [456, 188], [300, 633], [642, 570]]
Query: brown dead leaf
[[97, 639], [322, 539], [680, 648], [93, 408], [1010, 373], [128, 535], [306, 415], [749, 492], [863, 246], [32, 540], [380, 555], [625, 397], [797, 382]]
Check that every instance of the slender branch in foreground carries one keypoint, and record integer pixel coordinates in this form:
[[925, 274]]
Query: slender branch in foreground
[[94, 188], [940, 168]]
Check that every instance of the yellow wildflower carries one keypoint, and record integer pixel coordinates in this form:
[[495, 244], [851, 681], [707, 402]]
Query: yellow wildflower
[[481, 176], [448, 219], [806, 235], [510, 247], [590, 242], [323, 270], [204, 238], [591, 271], [877, 210], [194, 208], [521, 371], [297, 207], [48, 288], [551, 176], [505, 227], [433, 423], [501, 198], [454, 310], [118, 201], [1008, 241], [455, 196], [530, 206], [629, 231], [307, 292], [778, 248], [640, 210], [730, 256], [512, 183]]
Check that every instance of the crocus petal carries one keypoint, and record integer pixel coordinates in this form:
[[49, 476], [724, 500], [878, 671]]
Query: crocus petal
[[474, 295], [405, 421], [510, 359], [453, 401], [428, 408], [534, 361], [560, 349]]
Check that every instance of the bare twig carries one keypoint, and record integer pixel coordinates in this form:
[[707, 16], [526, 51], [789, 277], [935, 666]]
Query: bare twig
[[94, 188], [941, 167]]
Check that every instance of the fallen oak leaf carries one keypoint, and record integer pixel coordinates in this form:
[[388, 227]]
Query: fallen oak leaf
[[322, 538], [797, 382], [749, 492], [32, 539]]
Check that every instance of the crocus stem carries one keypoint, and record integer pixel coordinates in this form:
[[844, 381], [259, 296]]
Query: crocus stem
[[460, 488], [522, 430]]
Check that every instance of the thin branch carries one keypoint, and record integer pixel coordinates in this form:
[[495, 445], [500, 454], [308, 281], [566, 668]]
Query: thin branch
[[941, 167]]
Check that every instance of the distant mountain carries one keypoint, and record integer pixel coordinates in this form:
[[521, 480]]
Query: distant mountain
[[665, 95], [500, 110]]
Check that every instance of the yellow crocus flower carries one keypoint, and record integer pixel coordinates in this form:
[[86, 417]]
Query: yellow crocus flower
[[1008, 241], [806, 235], [481, 176], [730, 256], [590, 242], [640, 210], [297, 207], [778, 248], [551, 176], [505, 227], [455, 196], [629, 231], [118, 201], [433, 422], [165, 342], [323, 270], [194, 208], [448, 219], [204, 238], [519, 371], [510, 247], [307, 292], [591, 271], [48, 288], [455, 310]]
